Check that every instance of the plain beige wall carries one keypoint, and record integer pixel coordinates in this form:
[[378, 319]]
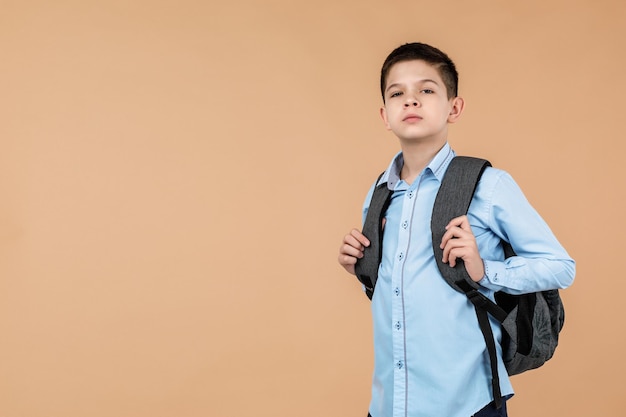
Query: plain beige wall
[[176, 177]]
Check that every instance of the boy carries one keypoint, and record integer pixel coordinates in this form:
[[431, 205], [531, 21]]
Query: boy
[[429, 354]]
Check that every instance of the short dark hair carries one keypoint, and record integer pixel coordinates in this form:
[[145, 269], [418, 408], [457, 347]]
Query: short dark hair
[[427, 53]]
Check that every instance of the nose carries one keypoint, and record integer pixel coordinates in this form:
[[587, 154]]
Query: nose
[[411, 101]]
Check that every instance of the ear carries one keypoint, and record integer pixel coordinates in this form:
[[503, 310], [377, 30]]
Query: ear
[[458, 104], [383, 115]]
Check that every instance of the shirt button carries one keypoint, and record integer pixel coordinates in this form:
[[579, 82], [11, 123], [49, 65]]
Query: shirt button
[[405, 224], [398, 325], [399, 364], [410, 194], [401, 256], [397, 291]]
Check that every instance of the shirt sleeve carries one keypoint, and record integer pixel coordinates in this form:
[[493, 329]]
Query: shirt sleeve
[[541, 263]]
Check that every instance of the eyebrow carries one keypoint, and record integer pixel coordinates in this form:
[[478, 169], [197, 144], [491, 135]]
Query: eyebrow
[[427, 80]]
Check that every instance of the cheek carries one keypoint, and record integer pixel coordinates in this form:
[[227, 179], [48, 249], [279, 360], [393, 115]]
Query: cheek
[[445, 111]]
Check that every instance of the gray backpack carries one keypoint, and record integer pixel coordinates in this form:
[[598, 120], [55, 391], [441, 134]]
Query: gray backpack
[[531, 322]]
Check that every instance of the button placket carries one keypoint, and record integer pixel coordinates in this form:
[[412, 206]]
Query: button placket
[[397, 323]]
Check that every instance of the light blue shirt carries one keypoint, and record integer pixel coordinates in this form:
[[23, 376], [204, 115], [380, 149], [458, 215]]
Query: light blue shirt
[[430, 355]]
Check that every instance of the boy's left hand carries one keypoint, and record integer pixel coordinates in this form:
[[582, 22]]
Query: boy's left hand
[[459, 242]]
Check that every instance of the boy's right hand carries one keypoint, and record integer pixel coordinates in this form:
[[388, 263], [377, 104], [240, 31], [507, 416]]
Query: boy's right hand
[[352, 249]]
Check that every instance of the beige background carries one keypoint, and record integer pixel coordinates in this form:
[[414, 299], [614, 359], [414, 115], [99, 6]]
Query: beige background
[[176, 177]]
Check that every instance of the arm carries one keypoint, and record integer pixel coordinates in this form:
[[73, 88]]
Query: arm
[[541, 262]]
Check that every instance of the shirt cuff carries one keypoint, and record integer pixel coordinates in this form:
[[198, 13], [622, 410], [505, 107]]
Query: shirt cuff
[[494, 273]]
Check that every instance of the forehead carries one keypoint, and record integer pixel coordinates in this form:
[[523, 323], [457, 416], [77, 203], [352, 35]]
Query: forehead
[[412, 71]]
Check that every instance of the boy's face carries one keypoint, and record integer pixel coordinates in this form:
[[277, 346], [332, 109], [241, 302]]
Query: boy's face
[[417, 107]]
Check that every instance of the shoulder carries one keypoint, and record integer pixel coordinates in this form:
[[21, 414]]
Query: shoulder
[[497, 192], [469, 166], [493, 174], [494, 179], [496, 188]]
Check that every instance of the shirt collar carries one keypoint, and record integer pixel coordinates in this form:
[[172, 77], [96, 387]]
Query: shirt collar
[[437, 166]]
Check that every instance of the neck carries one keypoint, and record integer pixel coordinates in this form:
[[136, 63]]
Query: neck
[[417, 156]]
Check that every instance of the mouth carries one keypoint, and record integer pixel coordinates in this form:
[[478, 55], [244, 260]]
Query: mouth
[[411, 118]]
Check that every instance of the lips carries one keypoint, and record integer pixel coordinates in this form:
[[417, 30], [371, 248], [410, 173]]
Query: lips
[[411, 118]]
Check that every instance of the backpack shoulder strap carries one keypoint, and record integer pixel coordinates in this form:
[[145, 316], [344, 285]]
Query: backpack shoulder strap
[[453, 200], [366, 268]]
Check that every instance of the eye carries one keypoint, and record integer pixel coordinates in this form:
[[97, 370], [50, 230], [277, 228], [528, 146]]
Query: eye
[[428, 91], [395, 94]]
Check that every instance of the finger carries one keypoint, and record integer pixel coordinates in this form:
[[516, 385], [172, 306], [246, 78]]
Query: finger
[[446, 253], [452, 250], [452, 261], [347, 260], [455, 222], [351, 247], [455, 254], [353, 242], [445, 238], [461, 222], [453, 233], [360, 237]]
